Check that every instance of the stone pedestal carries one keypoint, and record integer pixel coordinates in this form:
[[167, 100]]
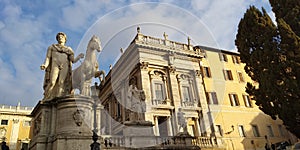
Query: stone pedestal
[[139, 134], [62, 123]]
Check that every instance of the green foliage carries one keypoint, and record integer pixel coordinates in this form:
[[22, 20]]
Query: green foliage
[[272, 57]]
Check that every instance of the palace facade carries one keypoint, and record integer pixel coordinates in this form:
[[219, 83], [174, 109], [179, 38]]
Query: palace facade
[[207, 85]]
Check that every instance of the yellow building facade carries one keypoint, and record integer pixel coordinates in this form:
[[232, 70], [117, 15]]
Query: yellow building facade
[[205, 84], [15, 126], [236, 118]]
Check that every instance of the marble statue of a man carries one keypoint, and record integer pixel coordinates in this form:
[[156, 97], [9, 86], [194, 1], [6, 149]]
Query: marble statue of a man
[[137, 99], [181, 120], [58, 67]]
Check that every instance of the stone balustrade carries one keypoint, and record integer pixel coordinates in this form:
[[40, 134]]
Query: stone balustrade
[[119, 142], [159, 102], [165, 43], [21, 109]]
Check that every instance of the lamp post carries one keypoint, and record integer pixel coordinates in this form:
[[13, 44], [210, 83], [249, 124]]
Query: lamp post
[[95, 92]]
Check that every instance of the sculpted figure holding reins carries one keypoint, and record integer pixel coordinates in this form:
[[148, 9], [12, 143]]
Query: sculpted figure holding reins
[[58, 67]]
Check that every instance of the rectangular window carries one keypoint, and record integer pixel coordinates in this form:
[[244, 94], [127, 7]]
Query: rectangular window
[[227, 75], [26, 123], [247, 101], [280, 128], [212, 98], [270, 131], [255, 131], [219, 130], [242, 131], [234, 101], [158, 91], [240, 76], [119, 110], [186, 94], [223, 57], [4, 122], [236, 59], [206, 72]]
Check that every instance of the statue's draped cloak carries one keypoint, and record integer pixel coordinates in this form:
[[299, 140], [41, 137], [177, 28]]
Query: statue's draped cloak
[[67, 84]]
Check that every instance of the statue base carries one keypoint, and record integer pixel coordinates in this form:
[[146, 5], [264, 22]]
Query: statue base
[[141, 134], [62, 123]]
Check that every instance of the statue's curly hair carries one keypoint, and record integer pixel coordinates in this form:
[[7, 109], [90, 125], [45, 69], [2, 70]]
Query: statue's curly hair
[[61, 33]]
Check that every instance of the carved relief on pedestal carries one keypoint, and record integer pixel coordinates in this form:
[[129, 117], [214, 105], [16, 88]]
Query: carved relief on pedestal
[[78, 116]]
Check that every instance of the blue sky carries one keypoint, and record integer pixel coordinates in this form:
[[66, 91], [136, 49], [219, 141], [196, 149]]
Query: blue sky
[[27, 28]]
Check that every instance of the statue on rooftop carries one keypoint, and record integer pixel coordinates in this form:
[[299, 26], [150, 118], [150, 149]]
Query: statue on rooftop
[[58, 68]]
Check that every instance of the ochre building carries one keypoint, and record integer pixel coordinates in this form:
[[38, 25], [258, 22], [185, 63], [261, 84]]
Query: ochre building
[[15, 126]]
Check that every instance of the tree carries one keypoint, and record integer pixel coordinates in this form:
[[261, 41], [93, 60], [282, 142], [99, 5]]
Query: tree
[[271, 54]]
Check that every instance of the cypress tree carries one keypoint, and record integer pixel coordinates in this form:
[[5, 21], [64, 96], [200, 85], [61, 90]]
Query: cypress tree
[[272, 57]]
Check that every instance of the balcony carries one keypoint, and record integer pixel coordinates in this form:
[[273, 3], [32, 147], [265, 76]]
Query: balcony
[[190, 105], [163, 104], [159, 102]]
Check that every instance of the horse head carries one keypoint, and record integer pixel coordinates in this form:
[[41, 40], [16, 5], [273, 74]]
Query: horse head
[[94, 44]]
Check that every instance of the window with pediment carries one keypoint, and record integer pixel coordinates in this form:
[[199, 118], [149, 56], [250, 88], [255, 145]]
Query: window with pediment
[[187, 93], [158, 87]]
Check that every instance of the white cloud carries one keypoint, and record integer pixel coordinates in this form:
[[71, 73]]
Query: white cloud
[[200, 5]]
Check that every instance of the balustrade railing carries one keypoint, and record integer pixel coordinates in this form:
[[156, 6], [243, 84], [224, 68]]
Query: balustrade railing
[[156, 41], [189, 103], [114, 141], [159, 102]]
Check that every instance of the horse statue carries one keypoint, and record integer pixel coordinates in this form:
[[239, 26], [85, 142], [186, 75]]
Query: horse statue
[[89, 68]]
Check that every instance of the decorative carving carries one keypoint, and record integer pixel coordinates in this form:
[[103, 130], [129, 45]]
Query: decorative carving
[[172, 69], [197, 73], [15, 121], [78, 117], [186, 77], [171, 58], [158, 74], [144, 65]]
